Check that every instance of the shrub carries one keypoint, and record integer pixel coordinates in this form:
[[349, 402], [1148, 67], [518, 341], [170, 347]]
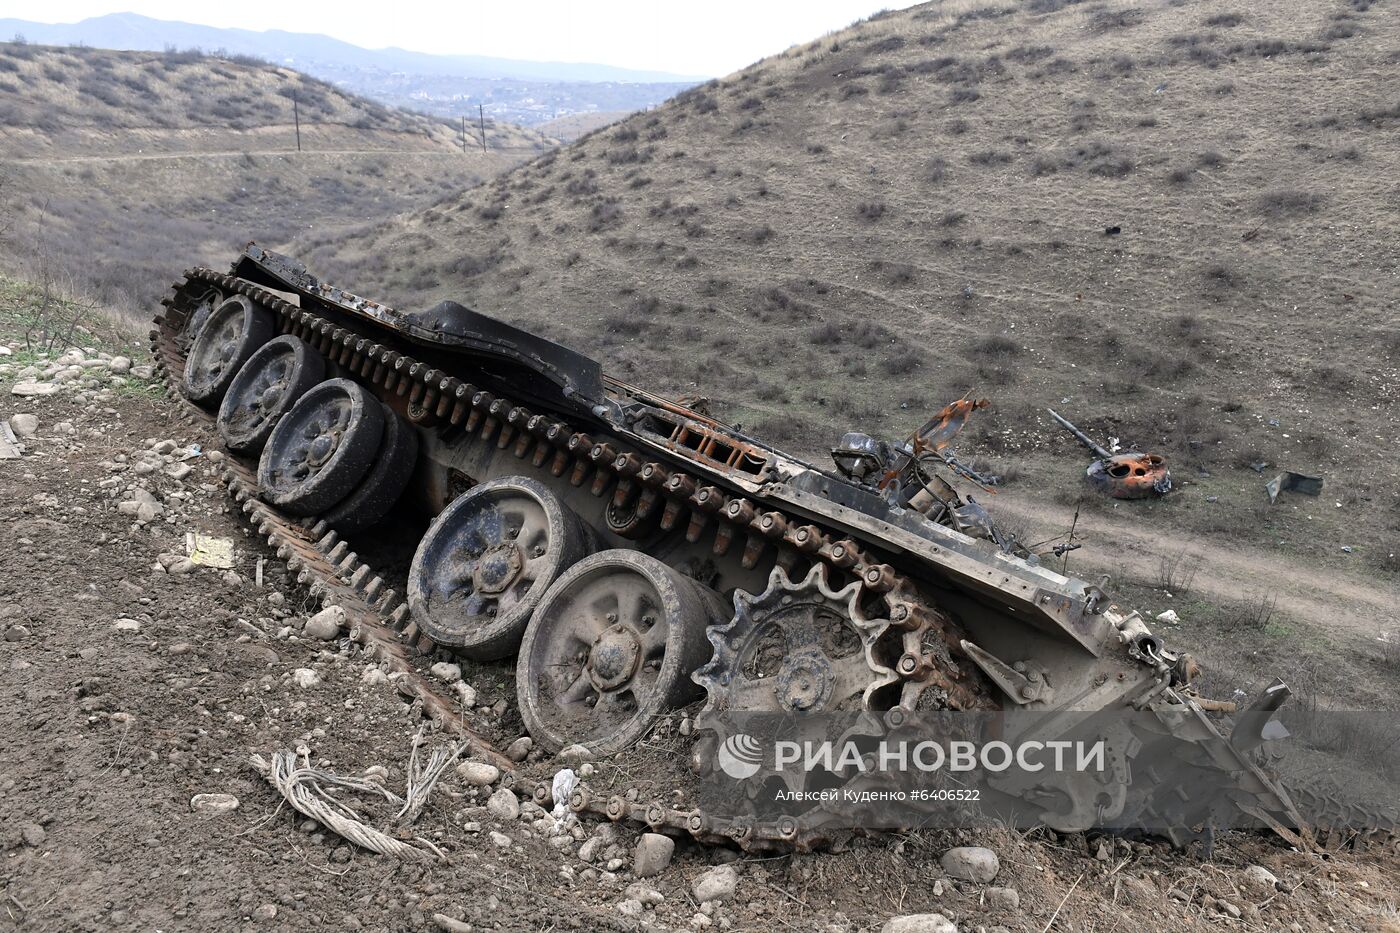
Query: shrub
[[1290, 203], [996, 346], [902, 363], [604, 216], [871, 211], [760, 234], [990, 157]]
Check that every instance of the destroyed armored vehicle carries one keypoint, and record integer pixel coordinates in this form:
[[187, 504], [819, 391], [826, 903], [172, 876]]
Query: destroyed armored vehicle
[[634, 556], [1127, 475]]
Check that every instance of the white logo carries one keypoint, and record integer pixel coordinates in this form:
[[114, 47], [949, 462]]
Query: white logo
[[740, 756]]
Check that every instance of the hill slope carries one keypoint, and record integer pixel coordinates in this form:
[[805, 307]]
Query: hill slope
[[518, 91], [66, 100], [191, 156], [1161, 219], [133, 31]]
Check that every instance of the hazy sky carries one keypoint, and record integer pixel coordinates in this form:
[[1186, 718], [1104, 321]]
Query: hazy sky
[[700, 37]]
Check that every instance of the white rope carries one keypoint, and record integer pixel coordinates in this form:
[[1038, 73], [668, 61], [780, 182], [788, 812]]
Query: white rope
[[422, 780], [304, 787]]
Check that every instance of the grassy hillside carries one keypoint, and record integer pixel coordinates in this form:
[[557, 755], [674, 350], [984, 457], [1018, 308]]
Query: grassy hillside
[[1170, 221], [120, 169], [56, 101]]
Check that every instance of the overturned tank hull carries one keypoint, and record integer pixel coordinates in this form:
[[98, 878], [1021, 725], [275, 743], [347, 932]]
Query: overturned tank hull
[[633, 556]]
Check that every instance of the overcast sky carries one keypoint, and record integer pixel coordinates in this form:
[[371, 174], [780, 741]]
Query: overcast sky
[[699, 37]]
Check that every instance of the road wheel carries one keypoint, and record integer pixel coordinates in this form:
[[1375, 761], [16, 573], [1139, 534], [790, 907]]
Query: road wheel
[[486, 562], [610, 648], [233, 333], [322, 448], [264, 389], [386, 480]]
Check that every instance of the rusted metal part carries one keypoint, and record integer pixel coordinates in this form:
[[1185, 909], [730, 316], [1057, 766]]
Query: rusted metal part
[[1129, 475], [940, 430]]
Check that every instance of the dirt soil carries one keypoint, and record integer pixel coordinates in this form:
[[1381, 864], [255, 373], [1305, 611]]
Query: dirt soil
[[130, 682]]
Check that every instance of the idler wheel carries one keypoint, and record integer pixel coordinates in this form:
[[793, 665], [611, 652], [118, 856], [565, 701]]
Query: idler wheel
[[386, 480], [486, 562], [232, 333], [322, 448], [611, 647], [279, 373]]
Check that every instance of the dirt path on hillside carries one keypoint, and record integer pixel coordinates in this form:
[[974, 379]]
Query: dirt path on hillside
[[1322, 598]]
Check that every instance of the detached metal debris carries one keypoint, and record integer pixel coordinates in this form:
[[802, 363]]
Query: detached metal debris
[[1288, 481], [1129, 475]]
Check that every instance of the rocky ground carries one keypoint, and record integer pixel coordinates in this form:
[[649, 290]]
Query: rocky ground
[[136, 674]]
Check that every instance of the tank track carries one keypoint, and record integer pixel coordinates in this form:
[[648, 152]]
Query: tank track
[[381, 620], [1342, 824]]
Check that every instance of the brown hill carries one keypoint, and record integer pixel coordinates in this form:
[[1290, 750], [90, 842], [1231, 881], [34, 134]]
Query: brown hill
[[67, 101], [119, 169], [1169, 221]]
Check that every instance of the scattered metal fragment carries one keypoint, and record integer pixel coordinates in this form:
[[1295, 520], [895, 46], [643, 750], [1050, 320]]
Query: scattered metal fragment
[[1288, 481], [1130, 475]]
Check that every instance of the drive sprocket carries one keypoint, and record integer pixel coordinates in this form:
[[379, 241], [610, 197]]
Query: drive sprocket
[[803, 662], [799, 647]]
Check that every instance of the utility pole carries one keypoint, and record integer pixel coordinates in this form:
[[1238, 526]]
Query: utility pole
[[296, 116], [464, 134], [481, 117]]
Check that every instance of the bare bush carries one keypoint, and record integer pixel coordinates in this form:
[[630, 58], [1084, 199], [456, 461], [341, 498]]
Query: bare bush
[[1176, 572], [1252, 614]]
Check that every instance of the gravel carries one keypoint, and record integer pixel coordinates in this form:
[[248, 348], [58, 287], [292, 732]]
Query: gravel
[[326, 624], [478, 773], [504, 804]]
